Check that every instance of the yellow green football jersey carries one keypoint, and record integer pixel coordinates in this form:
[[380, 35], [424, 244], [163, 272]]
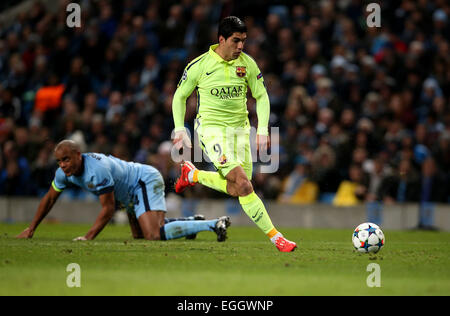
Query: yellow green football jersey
[[222, 91]]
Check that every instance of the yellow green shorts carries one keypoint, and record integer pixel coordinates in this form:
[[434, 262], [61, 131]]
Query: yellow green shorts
[[226, 147]]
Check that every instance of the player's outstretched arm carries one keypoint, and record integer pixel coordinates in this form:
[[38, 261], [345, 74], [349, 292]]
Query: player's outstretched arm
[[107, 212], [44, 208]]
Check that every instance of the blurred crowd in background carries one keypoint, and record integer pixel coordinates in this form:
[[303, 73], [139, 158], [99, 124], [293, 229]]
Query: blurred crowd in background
[[363, 113]]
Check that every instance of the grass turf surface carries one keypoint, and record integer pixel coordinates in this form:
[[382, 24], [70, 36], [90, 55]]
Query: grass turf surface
[[411, 263]]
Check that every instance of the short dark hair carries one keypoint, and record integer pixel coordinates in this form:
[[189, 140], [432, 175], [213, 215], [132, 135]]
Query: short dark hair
[[230, 25], [73, 146]]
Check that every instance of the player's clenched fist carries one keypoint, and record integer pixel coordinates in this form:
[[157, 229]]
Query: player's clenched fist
[[181, 140], [262, 143]]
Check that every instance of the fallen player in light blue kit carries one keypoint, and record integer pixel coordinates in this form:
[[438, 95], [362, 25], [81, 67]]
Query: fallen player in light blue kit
[[138, 187]]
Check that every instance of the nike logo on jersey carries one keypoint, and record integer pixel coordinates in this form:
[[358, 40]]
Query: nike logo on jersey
[[208, 73]]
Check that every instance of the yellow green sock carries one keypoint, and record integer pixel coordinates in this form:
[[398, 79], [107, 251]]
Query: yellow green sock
[[211, 179], [255, 209]]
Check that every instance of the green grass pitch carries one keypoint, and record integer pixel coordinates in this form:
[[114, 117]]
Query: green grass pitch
[[411, 263]]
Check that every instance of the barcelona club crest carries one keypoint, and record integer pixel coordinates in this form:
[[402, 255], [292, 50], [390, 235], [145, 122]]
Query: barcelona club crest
[[223, 160], [241, 71]]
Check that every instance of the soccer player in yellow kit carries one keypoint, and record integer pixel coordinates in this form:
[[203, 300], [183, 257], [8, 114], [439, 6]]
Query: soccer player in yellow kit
[[221, 77]]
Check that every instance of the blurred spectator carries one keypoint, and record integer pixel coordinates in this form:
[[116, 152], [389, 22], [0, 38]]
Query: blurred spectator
[[341, 94], [173, 30], [10, 106], [401, 186], [372, 107], [377, 171], [15, 177], [266, 185], [25, 147], [324, 120], [324, 172], [353, 190], [151, 70], [48, 100], [115, 107], [326, 98], [43, 170], [441, 152], [197, 37], [77, 82], [433, 189], [297, 187]]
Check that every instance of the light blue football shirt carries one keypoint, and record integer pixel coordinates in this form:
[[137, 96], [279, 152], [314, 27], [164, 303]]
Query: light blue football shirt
[[103, 174]]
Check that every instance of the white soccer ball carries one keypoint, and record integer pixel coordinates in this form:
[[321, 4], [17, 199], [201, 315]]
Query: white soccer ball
[[368, 237]]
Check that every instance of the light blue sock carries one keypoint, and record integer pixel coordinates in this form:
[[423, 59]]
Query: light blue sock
[[180, 229]]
